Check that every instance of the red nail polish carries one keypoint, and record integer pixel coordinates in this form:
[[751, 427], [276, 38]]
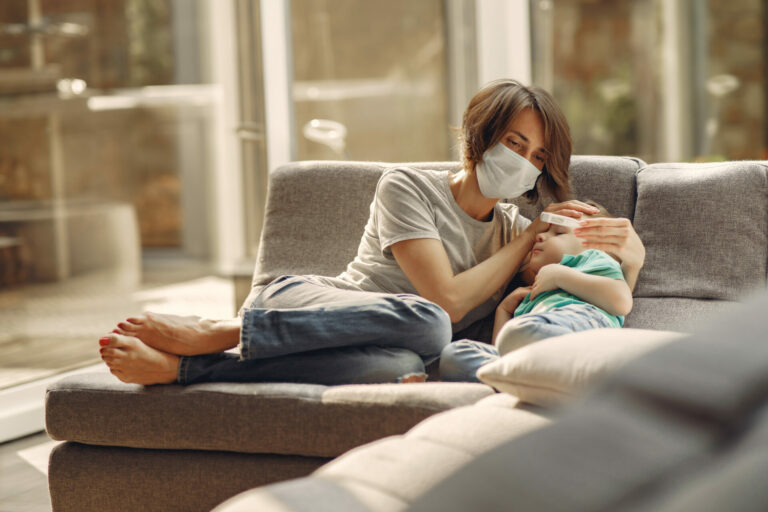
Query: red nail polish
[[104, 341]]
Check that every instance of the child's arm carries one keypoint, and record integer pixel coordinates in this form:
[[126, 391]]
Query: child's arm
[[611, 295], [506, 309]]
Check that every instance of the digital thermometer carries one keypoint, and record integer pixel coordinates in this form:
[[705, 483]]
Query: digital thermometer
[[560, 220]]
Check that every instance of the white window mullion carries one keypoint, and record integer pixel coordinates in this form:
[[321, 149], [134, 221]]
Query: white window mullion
[[675, 84], [277, 59], [503, 40], [227, 226]]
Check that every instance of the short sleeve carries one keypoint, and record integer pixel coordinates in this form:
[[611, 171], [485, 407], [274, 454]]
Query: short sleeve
[[521, 223], [595, 262], [402, 210]]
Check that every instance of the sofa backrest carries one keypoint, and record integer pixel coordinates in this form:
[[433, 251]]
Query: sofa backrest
[[316, 211], [705, 229]]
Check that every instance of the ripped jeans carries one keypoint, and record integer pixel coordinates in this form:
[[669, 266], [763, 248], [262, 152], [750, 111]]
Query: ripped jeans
[[299, 329]]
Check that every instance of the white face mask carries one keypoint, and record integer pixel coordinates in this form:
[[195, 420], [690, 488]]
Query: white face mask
[[504, 173]]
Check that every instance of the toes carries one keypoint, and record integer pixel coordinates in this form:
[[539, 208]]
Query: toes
[[136, 320], [108, 356], [120, 375], [127, 326], [110, 340], [121, 341], [118, 346]]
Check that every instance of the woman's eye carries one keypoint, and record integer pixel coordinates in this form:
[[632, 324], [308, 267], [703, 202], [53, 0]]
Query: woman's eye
[[513, 143]]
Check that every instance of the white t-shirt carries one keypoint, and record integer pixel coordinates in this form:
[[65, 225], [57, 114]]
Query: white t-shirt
[[411, 204]]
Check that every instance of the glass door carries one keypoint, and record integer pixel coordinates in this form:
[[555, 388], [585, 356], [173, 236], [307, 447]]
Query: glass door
[[106, 115], [370, 79]]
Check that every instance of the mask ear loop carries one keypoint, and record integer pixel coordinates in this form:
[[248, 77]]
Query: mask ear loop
[[535, 188]]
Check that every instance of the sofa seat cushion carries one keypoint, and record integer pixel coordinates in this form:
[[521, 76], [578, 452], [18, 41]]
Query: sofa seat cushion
[[277, 418], [391, 473]]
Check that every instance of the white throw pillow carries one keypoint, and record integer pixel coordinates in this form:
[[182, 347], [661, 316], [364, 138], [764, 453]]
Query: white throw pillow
[[550, 371]]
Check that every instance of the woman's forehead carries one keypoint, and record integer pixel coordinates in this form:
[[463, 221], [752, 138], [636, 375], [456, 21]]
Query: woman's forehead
[[529, 126]]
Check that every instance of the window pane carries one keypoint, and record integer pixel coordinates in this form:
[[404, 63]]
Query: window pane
[[608, 64], [378, 69], [734, 72], [599, 59], [106, 118]]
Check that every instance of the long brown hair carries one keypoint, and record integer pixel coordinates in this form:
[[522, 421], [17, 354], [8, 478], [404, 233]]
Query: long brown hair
[[486, 120]]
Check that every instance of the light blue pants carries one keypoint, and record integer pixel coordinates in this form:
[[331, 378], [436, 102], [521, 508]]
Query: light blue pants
[[299, 329], [460, 360]]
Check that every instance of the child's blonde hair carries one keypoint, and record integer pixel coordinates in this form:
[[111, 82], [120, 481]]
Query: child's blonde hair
[[602, 211]]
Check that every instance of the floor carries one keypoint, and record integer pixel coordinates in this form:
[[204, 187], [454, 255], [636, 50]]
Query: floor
[[48, 329], [23, 483], [51, 328]]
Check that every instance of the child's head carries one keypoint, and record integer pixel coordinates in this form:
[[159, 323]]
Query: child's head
[[557, 241]]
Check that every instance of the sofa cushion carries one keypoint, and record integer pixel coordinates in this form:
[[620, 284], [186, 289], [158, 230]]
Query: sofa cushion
[[716, 215], [390, 473], [554, 370], [277, 418], [674, 313]]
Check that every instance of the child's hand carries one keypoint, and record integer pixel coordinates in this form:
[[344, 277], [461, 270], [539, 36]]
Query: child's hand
[[511, 301], [547, 278]]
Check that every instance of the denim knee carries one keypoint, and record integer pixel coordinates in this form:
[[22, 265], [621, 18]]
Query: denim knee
[[460, 360], [399, 363], [514, 335], [428, 324]]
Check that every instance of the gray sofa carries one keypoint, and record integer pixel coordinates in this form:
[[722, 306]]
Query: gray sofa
[[127, 447]]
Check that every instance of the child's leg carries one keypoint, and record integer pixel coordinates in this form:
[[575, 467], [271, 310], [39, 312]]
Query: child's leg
[[461, 359], [526, 329]]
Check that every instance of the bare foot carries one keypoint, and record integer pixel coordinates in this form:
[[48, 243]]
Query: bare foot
[[132, 361], [182, 335], [413, 378]]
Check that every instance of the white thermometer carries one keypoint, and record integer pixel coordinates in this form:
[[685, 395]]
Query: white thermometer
[[560, 220]]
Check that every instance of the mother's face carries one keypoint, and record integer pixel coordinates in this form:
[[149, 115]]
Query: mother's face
[[525, 135]]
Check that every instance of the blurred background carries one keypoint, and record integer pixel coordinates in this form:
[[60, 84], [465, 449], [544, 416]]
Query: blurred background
[[137, 136]]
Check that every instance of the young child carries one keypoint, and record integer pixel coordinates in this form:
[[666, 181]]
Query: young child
[[570, 289]]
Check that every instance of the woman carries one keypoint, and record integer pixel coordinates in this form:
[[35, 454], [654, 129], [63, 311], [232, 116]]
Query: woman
[[437, 252]]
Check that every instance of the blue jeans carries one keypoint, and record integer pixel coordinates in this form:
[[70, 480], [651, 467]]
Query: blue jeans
[[299, 329], [460, 360]]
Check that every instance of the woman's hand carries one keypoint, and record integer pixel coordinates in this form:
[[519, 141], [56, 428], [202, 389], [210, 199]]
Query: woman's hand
[[617, 237], [572, 208]]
